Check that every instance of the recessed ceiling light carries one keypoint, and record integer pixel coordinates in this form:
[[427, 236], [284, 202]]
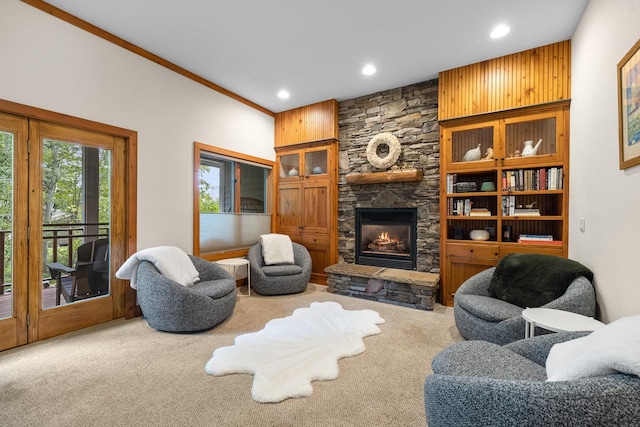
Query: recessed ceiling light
[[369, 70], [283, 94], [499, 31]]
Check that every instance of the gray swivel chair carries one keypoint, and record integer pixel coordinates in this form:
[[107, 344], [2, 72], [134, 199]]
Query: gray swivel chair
[[172, 307], [280, 279], [477, 383], [488, 306]]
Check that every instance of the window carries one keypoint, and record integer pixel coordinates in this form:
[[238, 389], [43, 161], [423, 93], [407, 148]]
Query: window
[[231, 204]]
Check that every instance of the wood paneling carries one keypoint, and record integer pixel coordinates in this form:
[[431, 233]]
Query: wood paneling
[[309, 123], [535, 76]]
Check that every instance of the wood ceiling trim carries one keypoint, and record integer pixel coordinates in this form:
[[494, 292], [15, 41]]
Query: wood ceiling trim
[[74, 20]]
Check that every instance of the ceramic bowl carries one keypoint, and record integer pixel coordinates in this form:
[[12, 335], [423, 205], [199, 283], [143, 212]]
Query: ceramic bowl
[[487, 186], [479, 235]]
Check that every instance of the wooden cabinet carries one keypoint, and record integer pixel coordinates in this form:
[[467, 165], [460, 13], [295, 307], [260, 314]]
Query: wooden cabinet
[[463, 261], [521, 201], [313, 122], [306, 200]]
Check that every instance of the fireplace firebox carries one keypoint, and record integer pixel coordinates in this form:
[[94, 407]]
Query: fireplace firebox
[[386, 237]]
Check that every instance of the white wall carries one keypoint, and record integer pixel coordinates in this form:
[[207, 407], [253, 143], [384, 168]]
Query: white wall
[[49, 64], [605, 196]]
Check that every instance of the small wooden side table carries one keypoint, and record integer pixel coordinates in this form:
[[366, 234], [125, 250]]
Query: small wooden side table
[[235, 263]]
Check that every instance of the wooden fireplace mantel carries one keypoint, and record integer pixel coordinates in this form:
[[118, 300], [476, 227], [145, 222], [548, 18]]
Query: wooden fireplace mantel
[[407, 175]]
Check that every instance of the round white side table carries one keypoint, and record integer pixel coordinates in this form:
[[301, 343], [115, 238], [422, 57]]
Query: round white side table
[[557, 321], [234, 263]]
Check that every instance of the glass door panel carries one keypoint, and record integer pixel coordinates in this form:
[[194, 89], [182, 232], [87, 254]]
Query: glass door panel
[[71, 268], [289, 165], [470, 147], [315, 162], [13, 231], [76, 222], [6, 223]]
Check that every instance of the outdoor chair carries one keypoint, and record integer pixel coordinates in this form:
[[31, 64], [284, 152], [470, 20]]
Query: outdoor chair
[[90, 276]]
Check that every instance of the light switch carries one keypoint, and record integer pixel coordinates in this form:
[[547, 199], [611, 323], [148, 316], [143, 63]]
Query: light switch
[[582, 224]]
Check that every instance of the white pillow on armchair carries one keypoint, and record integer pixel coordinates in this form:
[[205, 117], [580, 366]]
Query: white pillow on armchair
[[612, 349], [276, 249]]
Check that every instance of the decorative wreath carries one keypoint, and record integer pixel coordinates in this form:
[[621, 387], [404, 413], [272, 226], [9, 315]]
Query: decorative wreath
[[394, 150]]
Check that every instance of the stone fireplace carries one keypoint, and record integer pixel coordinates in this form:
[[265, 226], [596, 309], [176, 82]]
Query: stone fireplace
[[411, 114], [386, 237]]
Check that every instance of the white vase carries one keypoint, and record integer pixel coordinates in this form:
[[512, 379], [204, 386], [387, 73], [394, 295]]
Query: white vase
[[479, 235]]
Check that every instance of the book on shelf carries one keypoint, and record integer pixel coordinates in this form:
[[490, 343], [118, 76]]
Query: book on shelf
[[543, 237], [533, 179], [451, 182], [541, 242], [459, 207], [479, 212], [526, 212], [508, 205], [465, 187]]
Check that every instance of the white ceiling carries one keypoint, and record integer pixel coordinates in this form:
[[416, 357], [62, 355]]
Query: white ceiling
[[317, 49]]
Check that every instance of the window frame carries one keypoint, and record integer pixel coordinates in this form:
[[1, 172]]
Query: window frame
[[198, 149]]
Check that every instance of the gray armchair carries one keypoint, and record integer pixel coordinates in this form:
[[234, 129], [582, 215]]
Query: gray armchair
[[280, 279], [477, 383], [480, 315], [169, 306]]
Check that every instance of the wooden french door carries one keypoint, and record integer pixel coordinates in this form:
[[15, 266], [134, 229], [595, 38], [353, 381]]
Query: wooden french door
[[35, 157]]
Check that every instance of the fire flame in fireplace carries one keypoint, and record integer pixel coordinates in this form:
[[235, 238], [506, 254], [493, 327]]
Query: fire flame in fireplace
[[385, 243], [384, 239]]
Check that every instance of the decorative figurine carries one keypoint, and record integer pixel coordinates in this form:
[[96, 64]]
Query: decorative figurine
[[472, 155], [489, 154]]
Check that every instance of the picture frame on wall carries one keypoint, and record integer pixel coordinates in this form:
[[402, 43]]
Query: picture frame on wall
[[629, 107]]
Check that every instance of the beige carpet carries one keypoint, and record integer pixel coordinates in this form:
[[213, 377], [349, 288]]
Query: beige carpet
[[123, 373]]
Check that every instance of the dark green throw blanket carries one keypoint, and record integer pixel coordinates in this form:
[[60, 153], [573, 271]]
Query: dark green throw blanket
[[533, 280]]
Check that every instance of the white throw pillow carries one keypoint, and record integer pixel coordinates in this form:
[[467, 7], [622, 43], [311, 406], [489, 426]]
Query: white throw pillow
[[276, 249], [612, 349]]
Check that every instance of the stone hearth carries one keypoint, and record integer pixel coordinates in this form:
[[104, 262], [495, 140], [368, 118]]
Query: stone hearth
[[400, 287]]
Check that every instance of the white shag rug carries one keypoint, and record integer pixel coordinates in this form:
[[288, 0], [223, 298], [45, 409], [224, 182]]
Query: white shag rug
[[290, 353]]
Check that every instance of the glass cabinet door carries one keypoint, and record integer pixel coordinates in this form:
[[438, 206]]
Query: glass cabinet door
[[289, 165], [315, 162], [534, 138], [471, 146]]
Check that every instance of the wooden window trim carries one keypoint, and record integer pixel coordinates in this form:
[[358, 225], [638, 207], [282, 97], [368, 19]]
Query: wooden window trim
[[198, 148]]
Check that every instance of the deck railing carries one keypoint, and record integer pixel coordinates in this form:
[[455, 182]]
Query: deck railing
[[55, 238]]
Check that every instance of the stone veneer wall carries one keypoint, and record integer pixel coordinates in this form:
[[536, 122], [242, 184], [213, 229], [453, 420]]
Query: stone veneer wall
[[411, 114]]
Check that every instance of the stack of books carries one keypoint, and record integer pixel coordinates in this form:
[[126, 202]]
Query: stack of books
[[479, 212], [526, 212], [542, 239]]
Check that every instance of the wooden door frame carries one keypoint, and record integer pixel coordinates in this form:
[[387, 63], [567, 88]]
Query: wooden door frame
[[125, 304]]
